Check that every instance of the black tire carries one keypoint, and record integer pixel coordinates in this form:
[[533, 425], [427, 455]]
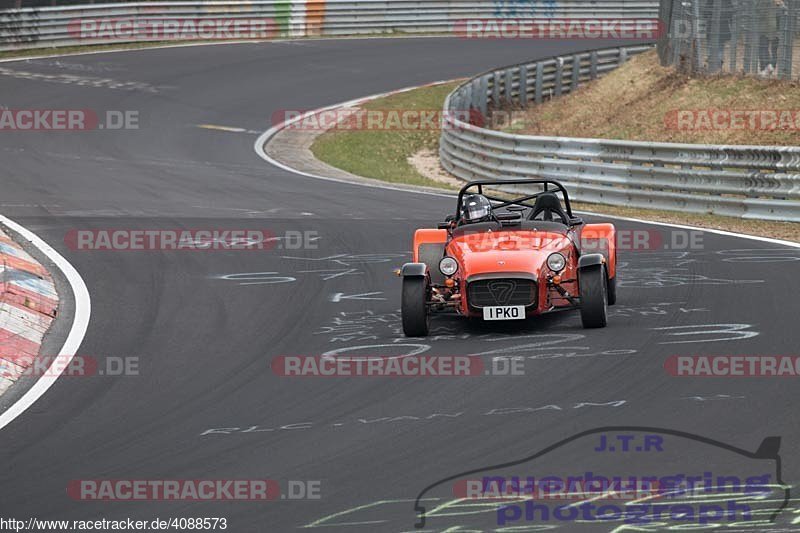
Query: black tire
[[594, 296], [612, 290], [416, 319]]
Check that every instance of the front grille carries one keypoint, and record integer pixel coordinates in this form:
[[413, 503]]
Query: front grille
[[494, 292]]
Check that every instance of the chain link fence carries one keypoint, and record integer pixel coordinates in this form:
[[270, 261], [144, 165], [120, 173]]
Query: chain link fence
[[752, 37]]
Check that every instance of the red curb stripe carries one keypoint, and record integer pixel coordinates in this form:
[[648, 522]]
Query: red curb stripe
[[28, 300], [17, 349], [16, 263]]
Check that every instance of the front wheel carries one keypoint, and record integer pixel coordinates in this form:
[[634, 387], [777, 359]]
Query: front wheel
[[612, 290], [594, 296], [416, 319]]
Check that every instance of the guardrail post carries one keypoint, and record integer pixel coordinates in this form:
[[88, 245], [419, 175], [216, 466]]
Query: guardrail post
[[593, 68], [475, 94], [523, 85], [576, 72], [559, 75], [538, 86], [496, 89], [456, 101], [623, 56], [483, 95], [509, 85]]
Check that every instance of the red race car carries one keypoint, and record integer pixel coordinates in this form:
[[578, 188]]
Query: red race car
[[510, 259]]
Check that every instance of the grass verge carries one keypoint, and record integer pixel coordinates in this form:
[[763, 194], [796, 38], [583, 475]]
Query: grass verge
[[384, 154]]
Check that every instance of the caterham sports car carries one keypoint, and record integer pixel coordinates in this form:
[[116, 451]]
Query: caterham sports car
[[508, 257]]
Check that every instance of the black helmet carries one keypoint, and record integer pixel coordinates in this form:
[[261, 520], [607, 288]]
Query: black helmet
[[476, 208]]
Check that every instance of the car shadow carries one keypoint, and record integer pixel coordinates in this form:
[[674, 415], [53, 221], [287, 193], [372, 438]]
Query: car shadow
[[449, 324]]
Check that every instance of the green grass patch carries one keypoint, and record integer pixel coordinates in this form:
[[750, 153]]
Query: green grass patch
[[384, 154]]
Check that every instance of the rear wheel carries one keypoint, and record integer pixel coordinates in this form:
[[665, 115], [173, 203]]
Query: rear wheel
[[416, 319], [594, 296], [612, 285]]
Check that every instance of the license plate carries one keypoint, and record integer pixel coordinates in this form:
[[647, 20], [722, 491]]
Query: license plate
[[506, 312]]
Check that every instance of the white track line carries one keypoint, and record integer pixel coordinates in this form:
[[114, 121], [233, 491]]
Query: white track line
[[267, 135], [270, 133], [707, 230], [83, 309]]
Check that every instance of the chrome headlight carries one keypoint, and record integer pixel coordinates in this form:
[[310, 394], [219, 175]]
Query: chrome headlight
[[448, 266], [556, 262]]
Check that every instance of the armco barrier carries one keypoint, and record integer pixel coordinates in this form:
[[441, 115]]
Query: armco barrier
[[742, 181], [50, 26]]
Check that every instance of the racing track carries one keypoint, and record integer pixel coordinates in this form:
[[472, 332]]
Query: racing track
[[205, 343]]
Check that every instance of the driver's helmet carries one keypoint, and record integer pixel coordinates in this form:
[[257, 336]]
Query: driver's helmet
[[477, 208]]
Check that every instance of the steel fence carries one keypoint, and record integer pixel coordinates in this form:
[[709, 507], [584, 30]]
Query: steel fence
[[754, 37], [741, 181], [58, 26]]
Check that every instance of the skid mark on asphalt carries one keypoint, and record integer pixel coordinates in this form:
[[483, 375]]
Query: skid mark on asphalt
[[256, 213], [765, 255], [437, 416], [714, 398], [704, 333], [339, 296], [228, 129], [161, 162], [97, 68], [82, 81]]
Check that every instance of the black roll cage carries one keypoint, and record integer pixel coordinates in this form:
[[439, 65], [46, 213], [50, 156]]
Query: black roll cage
[[516, 201]]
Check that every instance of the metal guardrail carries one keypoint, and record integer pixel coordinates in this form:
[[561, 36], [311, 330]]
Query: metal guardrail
[[742, 181], [45, 27]]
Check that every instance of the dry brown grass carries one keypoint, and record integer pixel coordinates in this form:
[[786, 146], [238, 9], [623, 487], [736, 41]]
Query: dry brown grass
[[634, 103]]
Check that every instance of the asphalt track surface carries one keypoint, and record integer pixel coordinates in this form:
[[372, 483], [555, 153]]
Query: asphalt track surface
[[205, 342]]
